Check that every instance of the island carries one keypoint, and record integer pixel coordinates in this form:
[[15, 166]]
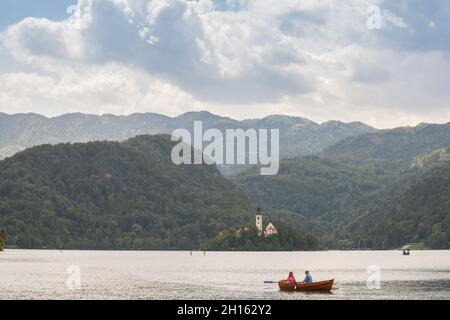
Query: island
[[260, 238]]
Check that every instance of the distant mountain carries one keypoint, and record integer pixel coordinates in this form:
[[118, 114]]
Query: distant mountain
[[21, 131], [298, 136], [393, 149], [114, 195]]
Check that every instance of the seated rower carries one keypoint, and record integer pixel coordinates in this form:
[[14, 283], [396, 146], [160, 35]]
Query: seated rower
[[291, 277], [308, 278]]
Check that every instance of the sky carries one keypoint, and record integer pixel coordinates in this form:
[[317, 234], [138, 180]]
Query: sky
[[382, 62]]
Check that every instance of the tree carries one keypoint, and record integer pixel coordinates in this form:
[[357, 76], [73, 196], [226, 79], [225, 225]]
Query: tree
[[438, 240], [2, 239]]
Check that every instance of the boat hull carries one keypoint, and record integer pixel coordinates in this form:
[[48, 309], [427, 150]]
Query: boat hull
[[321, 286]]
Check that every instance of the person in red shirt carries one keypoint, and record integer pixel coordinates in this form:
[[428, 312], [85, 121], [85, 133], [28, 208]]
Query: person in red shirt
[[291, 277]]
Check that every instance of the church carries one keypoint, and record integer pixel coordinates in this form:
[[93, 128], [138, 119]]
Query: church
[[270, 228]]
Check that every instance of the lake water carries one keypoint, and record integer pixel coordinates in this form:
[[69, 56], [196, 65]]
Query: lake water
[[41, 274]]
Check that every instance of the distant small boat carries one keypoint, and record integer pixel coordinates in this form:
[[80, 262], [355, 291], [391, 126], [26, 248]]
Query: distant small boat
[[323, 286], [406, 252]]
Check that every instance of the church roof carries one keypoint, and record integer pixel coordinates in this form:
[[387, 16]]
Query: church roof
[[271, 227]]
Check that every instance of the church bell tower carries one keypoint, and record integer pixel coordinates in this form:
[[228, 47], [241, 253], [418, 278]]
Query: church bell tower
[[259, 223]]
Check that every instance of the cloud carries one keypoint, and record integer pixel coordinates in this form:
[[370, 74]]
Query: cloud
[[186, 43], [391, 19], [109, 88], [313, 58]]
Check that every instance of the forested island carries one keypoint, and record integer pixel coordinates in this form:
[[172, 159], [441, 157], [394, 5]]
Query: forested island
[[249, 239]]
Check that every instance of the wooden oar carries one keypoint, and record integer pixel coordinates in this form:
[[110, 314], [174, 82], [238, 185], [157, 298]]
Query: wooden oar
[[270, 281]]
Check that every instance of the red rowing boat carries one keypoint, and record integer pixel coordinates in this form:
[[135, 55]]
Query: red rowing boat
[[324, 286]]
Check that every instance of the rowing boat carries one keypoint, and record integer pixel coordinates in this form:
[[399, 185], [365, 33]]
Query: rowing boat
[[324, 286]]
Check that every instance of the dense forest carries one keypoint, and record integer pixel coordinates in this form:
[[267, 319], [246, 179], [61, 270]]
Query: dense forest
[[394, 149], [311, 186], [248, 239], [416, 208], [111, 195], [375, 191]]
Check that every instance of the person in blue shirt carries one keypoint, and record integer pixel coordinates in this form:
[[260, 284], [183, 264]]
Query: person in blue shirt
[[308, 278]]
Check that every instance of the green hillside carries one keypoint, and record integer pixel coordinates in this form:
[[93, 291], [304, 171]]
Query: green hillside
[[392, 149], [414, 209], [309, 188], [373, 191], [111, 195]]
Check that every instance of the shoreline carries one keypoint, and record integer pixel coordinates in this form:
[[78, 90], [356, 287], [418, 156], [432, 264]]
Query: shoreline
[[218, 251]]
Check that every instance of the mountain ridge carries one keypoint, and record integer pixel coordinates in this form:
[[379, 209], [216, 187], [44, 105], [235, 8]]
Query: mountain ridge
[[298, 136], [394, 148]]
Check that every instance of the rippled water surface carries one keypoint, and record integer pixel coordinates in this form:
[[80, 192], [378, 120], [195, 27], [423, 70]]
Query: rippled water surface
[[39, 274]]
